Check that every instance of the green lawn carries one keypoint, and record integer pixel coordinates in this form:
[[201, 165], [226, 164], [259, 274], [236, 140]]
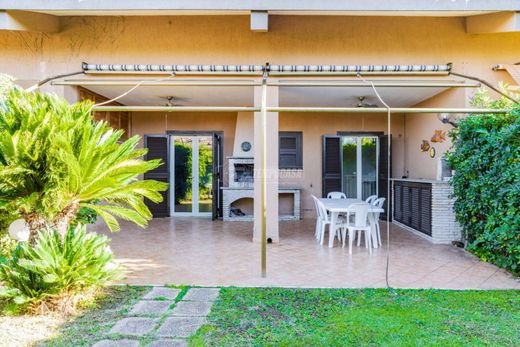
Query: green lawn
[[327, 317], [338, 317]]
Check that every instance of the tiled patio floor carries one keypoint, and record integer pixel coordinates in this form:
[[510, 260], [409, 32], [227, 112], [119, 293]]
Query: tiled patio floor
[[205, 252]]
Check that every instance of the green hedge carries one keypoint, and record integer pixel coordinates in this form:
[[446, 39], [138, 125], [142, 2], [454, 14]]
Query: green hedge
[[486, 160]]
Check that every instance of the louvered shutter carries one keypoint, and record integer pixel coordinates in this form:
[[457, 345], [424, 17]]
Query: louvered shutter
[[290, 150], [158, 148], [331, 166]]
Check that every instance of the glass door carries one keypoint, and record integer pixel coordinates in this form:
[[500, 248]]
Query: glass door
[[192, 175], [359, 166]]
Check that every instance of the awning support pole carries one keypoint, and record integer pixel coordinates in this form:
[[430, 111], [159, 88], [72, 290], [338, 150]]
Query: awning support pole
[[263, 177]]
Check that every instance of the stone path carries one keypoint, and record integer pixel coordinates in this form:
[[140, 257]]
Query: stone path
[[158, 318]]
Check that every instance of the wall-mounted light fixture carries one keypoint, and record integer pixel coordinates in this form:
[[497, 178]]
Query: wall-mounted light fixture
[[448, 118]]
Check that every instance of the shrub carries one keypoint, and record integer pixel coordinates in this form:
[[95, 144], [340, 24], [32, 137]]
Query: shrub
[[56, 160], [7, 244], [486, 160], [56, 271]]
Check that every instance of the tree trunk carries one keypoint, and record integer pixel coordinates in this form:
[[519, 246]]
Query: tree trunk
[[35, 222], [65, 217]]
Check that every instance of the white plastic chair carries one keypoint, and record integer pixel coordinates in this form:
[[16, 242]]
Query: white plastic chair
[[336, 195], [318, 218], [370, 200], [378, 203], [360, 224], [325, 220]]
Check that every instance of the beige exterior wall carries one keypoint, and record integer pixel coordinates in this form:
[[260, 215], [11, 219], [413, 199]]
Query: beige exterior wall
[[147, 123], [314, 126], [228, 40], [31, 56], [419, 127]]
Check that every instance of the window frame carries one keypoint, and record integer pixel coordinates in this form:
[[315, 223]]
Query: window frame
[[298, 136]]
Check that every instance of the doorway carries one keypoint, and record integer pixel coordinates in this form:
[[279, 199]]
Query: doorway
[[360, 165], [195, 166], [192, 166]]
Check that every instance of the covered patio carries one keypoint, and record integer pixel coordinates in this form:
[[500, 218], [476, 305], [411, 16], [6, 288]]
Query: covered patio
[[199, 251]]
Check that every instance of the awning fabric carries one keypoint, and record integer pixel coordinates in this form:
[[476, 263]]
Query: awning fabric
[[258, 69]]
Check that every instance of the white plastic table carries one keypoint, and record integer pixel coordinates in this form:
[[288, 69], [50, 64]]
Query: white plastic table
[[339, 206]]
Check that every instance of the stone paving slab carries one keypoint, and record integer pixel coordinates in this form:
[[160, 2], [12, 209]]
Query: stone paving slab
[[192, 308], [202, 294], [168, 343], [180, 326], [116, 343], [134, 326], [162, 292], [150, 307]]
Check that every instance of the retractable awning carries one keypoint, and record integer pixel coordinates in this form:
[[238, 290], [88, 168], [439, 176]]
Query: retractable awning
[[271, 69], [300, 86]]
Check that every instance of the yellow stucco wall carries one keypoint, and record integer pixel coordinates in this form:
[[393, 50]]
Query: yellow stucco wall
[[228, 40], [32, 56]]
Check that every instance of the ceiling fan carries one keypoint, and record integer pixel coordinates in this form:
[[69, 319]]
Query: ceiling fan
[[363, 103], [173, 100]]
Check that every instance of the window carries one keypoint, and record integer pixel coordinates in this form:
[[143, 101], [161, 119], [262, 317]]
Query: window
[[291, 152]]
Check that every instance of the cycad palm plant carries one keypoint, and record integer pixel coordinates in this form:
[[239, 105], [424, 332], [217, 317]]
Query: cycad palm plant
[[55, 159]]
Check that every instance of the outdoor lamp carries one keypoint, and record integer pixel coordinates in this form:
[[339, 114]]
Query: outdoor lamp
[[447, 118]]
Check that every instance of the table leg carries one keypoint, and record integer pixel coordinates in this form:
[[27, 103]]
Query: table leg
[[332, 228]]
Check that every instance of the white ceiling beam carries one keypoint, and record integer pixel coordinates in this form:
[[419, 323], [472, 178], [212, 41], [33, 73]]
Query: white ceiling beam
[[259, 21], [500, 22], [263, 5], [29, 21]]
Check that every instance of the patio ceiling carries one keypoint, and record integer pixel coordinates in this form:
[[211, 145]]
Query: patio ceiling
[[396, 92]]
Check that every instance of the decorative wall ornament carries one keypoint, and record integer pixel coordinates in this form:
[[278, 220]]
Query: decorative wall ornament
[[425, 146], [438, 136], [246, 146], [431, 152]]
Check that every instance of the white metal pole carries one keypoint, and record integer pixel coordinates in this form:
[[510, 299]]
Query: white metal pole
[[295, 109], [384, 110], [263, 177]]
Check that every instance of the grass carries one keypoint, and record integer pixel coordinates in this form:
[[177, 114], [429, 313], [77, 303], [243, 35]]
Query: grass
[[95, 323], [338, 317], [325, 317], [89, 327]]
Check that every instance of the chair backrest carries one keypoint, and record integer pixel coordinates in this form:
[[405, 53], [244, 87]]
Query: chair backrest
[[371, 199], [322, 211], [336, 195], [315, 200], [360, 214], [379, 202]]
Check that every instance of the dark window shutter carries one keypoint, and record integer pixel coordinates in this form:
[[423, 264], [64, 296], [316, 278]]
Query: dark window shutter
[[398, 202], [158, 149], [331, 175], [413, 205], [218, 150], [290, 150], [383, 183]]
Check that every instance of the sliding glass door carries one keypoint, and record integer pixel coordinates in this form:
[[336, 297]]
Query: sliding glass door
[[359, 156]]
